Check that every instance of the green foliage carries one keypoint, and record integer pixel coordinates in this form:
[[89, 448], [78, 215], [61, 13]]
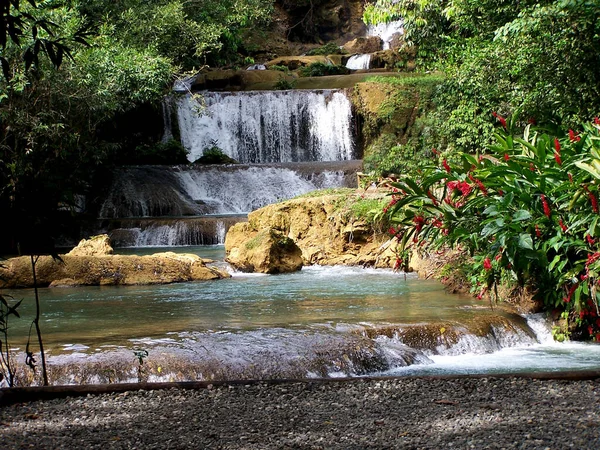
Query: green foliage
[[529, 212], [214, 155], [319, 69], [280, 68], [284, 84], [331, 48], [170, 152]]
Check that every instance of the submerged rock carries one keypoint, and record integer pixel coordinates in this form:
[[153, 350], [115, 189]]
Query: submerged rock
[[77, 269], [264, 251]]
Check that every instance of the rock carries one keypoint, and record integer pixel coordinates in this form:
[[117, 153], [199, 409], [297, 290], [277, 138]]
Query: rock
[[364, 45], [103, 270], [94, 246], [322, 232], [264, 251]]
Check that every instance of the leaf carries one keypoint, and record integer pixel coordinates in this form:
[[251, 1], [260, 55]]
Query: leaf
[[525, 241], [521, 214]]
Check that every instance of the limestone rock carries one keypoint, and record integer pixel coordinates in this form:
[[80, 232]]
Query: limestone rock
[[103, 270], [364, 45], [264, 251], [94, 246]]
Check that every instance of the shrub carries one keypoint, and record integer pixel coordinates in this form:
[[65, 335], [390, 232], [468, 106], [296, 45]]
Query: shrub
[[320, 69], [527, 212], [214, 155]]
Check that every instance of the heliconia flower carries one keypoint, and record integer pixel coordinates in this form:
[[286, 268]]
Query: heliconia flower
[[562, 225], [538, 233], [557, 145], [487, 264], [557, 158], [547, 211], [501, 119], [506, 157], [446, 166], [573, 137]]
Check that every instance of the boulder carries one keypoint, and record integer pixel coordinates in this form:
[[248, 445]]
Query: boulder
[[94, 246], [103, 270], [364, 45], [264, 251]]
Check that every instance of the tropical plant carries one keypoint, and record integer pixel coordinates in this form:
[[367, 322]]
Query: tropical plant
[[528, 211]]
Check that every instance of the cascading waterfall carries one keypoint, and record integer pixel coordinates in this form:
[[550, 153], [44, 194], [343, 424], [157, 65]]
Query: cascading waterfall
[[386, 31], [269, 126], [359, 62], [184, 205], [153, 191]]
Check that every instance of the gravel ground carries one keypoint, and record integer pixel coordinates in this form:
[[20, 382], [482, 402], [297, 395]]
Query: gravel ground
[[464, 413]]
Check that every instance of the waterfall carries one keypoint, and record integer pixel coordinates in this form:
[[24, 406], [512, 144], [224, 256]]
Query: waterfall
[[155, 191], [359, 62], [268, 126], [386, 31]]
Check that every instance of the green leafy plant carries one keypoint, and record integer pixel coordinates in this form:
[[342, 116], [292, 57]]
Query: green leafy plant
[[527, 211], [319, 69], [283, 84], [331, 48], [214, 155]]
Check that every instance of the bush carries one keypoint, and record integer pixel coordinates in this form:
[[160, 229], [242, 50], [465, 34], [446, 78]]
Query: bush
[[331, 48], [528, 212], [320, 69], [170, 152], [214, 155]]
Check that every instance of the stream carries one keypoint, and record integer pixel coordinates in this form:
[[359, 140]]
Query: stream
[[321, 321]]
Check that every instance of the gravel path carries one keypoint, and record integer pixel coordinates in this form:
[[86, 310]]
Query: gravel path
[[464, 413]]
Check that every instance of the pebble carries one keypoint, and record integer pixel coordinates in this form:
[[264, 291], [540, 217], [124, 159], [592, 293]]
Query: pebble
[[357, 414]]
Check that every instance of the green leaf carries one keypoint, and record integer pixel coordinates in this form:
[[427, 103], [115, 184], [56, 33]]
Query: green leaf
[[525, 241], [521, 214]]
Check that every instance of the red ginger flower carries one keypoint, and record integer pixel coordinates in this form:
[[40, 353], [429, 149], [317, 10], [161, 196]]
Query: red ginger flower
[[446, 166], [557, 145], [573, 137], [506, 157], [487, 264], [538, 233], [590, 240], [593, 199], [596, 121], [547, 211], [557, 158], [562, 225], [419, 221], [501, 119]]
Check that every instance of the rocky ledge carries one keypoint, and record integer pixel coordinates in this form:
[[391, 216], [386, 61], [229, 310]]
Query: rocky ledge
[[92, 263], [316, 230]]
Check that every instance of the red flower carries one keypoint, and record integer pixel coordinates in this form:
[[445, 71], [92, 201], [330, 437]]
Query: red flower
[[593, 199], [547, 211], [392, 231], [419, 221], [531, 167], [590, 240], [557, 145], [479, 184], [538, 233], [573, 137], [557, 158], [501, 119], [567, 299], [434, 151], [487, 264], [532, 120], [446, 166], [498, 256], [506, 157], [596, 121], [562, 225]]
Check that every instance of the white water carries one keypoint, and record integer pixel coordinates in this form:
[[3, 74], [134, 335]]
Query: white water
[[359, 62], [269, 126], [244, 190], [386, 31], [512, 356], [177, 233]]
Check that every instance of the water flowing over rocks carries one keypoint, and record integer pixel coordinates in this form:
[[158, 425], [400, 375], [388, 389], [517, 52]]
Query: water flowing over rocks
[[106, 269]]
